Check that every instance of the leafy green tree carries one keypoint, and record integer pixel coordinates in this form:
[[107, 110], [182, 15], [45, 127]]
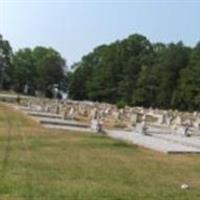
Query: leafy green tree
[[83, 84], [40, 69], [136, 52], [147, 87], [24, 71], [170, 61], [102, 85], [77, 86], [188, 93], [5, 63], [110, 72], [50, 69]]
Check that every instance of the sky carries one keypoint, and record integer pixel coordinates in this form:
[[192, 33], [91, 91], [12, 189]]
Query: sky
[[75, 27]]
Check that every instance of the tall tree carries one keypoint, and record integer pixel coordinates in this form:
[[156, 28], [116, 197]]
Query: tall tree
[[5, 63], [40, 69], [24, 71], [50, 69], [188, 93], [170, 61], [136, 52]]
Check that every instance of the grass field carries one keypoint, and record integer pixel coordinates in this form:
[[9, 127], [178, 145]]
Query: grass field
[[42, 164]]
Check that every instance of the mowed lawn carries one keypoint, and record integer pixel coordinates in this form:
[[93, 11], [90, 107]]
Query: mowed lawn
[[42, 164]]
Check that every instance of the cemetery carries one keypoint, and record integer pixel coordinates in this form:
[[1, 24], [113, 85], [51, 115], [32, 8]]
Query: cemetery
[[165, 131], [99, 100], [76, 158]]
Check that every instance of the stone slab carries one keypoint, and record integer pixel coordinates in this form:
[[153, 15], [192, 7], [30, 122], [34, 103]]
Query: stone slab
[[61, 122], [151, 142], [193, 141], [44, 115], [72, 128]]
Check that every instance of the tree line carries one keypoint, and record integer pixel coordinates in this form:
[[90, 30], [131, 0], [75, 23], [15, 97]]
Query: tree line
[[132, 71], [136, 72]]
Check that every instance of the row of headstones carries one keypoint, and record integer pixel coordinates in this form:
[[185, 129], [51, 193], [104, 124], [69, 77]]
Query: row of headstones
[[180, 122], [143, 127], [70, 109], [184, 130], [131, 116]]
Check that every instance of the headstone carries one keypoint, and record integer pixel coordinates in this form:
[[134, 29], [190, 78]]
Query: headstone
[[196, 124], [187, 132], [178, 120], [142, 128], [94, 113], [134, 119], [97, 125], [57, 109], [29, 105], [71, 113]]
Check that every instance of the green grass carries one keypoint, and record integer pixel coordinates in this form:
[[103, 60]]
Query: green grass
[[42, 164]]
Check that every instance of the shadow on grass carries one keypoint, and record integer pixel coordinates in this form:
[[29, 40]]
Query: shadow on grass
[[98, 141], [124, 145]]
